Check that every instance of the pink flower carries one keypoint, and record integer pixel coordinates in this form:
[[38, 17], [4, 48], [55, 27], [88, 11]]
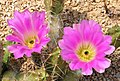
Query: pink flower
[[85, 46], [29, 31]]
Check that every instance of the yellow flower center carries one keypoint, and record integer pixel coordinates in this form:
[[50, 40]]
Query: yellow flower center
[[86, 52], [30, 42]]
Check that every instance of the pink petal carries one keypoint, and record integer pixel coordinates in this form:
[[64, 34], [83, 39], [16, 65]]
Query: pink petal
[[100, 55], [44, 41], [96, 67], [68, 38], [12, 48], [84, 25], [13, 38], [84, 30], [87, 34], [18, 34], [37, 48], [28, 53], [43, 31], [103, 47], [95, 26], [68, 30], [18, 54], [103, 63], [76, 65], [108, 39], [69, 42], [100, 70], [62, 45], [27, 21], [97, 38], [112, 48], [87, 70], [16, 24], [17, 50], [38, 19], [68, 55]]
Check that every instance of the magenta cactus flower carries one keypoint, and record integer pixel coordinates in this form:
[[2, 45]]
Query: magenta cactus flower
[[29, 33], [84, 47]]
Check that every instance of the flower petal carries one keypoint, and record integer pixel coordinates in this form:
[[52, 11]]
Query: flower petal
[[108, 39], [87, 69], [95, 26], [44, 41], [62, 45], [112, 48], [68, 55], [76, 65], [96, 67], [17, 50], [38, 19], [103, 63], [97, 40], [28, 53], [13, 38], [43, 31]]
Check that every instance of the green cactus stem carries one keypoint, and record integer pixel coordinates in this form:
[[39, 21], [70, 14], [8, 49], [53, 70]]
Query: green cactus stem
[[53, 9]]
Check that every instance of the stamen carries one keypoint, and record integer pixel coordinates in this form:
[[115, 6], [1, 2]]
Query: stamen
[[86, 52]]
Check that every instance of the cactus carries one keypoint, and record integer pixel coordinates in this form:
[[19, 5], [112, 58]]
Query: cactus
[[37, 75], [54, 64], [6, 52], [53, 8], [59, 66], [72, 76], [9, 76], [115, 33]]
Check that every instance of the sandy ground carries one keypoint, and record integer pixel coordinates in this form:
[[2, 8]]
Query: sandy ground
[[96, 11]]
